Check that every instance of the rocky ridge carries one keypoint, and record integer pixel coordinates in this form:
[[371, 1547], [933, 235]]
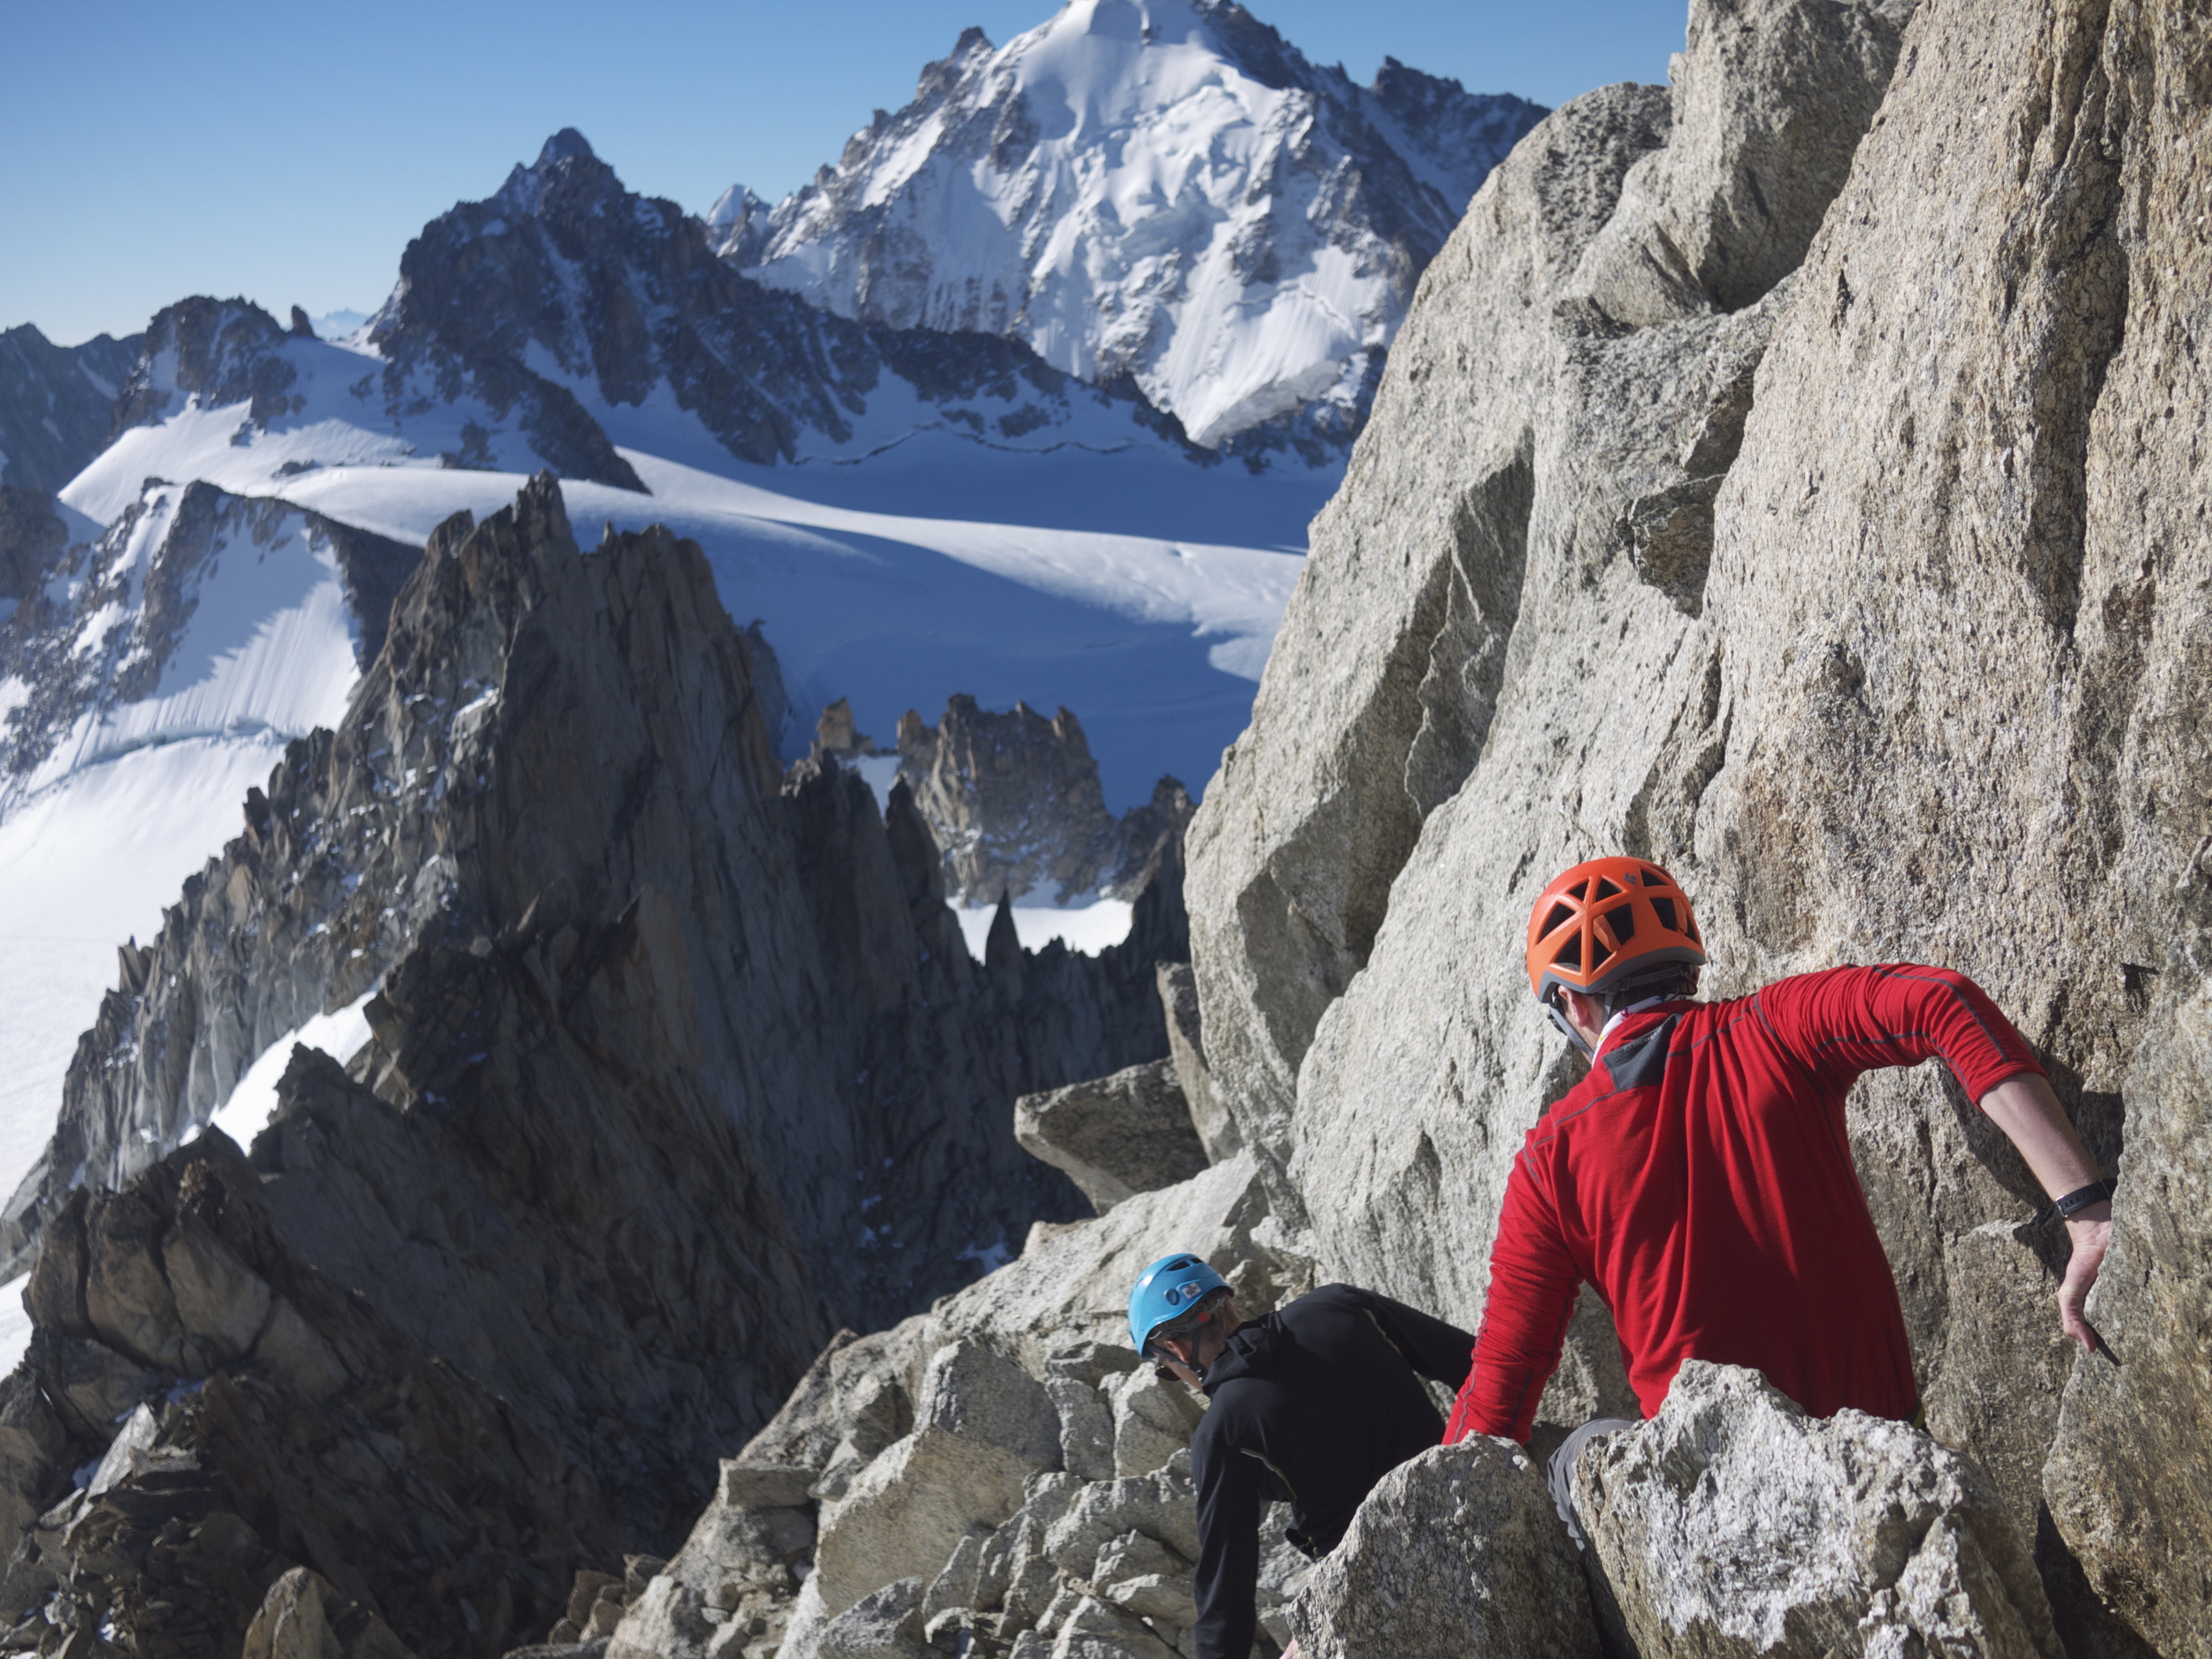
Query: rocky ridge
[[56, 405], [1164, 191], [310, 403], [658, 1034]]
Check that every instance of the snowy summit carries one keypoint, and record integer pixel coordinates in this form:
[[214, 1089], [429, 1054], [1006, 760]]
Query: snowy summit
[[1162, 189]]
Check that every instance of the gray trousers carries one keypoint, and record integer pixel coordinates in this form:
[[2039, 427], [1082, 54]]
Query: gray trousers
[[1559, 1469]]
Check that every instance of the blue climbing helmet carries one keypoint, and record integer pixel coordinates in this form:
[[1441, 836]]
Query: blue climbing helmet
[[1169, 1289]]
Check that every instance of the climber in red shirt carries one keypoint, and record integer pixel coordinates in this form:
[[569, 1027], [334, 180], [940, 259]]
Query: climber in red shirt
[[1701, 1177]]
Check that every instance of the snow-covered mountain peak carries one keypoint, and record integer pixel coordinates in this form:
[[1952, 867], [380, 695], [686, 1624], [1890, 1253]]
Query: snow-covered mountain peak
[[1160, 190], [612, 309], [737, 224]]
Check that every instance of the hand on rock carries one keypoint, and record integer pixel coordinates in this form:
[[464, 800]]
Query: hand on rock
[[2089, 1233]]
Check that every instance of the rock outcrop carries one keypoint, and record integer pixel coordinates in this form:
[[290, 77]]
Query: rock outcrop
[[1459, 1552], [1000, 1471], [288, 1457], [1015, 802], [1733, 1524]]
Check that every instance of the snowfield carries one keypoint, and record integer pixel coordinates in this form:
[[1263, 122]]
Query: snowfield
[[1153, 639]]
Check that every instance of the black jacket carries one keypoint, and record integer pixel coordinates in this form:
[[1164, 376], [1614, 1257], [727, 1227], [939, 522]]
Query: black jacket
[[1312, 1405]]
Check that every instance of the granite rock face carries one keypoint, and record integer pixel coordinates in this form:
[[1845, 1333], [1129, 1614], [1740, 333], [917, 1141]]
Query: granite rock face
[[1733, 1523], [1856, 573], [1459, 1552]]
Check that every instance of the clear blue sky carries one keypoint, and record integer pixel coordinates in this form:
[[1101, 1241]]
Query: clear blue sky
[[285, 152]]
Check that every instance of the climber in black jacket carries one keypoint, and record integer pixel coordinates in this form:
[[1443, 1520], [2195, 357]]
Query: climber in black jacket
[[1311, 1405]]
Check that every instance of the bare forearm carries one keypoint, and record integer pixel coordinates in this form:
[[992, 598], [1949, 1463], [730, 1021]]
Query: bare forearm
[[2029, 1113]]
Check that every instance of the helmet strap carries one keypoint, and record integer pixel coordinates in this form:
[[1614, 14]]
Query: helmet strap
[[1554, 1005]]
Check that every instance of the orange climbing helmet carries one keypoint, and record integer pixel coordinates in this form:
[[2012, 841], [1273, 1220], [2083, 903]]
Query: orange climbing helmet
[[1606, 920]]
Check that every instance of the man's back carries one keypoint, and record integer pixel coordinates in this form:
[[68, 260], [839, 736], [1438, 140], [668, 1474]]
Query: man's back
[[1701, 1177]]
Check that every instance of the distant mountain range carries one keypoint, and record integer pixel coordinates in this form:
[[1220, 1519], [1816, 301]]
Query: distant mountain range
[[1029, 399]]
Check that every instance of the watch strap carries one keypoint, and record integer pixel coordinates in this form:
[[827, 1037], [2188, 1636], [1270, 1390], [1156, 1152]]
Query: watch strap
[[2082, 1197]]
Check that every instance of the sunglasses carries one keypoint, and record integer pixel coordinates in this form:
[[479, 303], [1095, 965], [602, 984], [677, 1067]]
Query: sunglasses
[[1176, 1329]]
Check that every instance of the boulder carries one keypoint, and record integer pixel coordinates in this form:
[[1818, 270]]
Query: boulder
[[1087, 1428], [1153, 1420], [305, 1617], [1115, 1136], [885, 1623], [1460, 1552], [983, 1426], [1210, 1114], [1142, 1576], [1091, 1630], [736, 1575], [1731, 1524]]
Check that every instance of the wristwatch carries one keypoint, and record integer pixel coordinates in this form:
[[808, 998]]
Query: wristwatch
[[2082, 1197]]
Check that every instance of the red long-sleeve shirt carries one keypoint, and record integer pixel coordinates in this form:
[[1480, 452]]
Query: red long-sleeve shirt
[[1700, 1178]]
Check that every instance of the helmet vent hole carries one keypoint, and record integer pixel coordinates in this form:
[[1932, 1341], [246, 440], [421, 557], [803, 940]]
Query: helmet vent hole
[[1559, 918], [1579, 891], [1606, 890], [1570, 954], [1656, 878], [1665, 907], [1598, 952], [1623, 917]]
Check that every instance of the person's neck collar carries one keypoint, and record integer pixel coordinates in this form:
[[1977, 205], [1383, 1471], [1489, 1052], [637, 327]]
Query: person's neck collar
[[1619, 1014]]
